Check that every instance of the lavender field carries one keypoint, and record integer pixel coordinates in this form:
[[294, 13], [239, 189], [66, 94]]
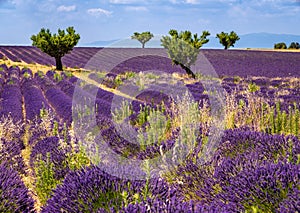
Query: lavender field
[[119, 140], [234, 62]]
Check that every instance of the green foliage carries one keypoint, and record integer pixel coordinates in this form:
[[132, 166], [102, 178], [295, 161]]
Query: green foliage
[[4, 58], [280, 45], [129, 74], [45, 180], [56, 45], [124, 112], [156, 128], [228, 40], [188, 119], [281, 122], [26, 75], [10, 82], [183, 48], [118, 81], [77, 160], [55, 128], [252, 87], [114, 196], [258, 114], [143, 37], [68, 74], [40, 74], [140, 81], [57, 77], [146, 167], [101, 74], [294, 45], [43, 112], [143, 115], [151, 76]]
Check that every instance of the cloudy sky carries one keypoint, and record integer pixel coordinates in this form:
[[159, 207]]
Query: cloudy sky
[[118, 19]]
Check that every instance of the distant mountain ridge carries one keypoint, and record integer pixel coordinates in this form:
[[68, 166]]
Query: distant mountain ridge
[[265, 40], [99, 43], [251, 40]]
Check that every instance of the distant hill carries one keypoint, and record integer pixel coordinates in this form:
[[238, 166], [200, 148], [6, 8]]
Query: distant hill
[[252, 40], [127, 42], [265, 40], [99, 43]]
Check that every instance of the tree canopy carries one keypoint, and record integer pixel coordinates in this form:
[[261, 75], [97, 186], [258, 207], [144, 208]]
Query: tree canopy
[[56, 45], [294, 45], [143, 37], [280, 45], [183, 48], [228, 40]]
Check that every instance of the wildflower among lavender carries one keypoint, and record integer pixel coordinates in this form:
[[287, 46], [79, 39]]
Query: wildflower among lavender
[[50, 145]]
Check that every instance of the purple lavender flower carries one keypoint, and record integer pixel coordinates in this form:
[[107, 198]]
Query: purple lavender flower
[[10, 155], [14, 196], [11, 103], [93, 190], [33, 98]]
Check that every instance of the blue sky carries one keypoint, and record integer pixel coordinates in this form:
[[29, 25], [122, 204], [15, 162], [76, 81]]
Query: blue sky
[[118, 19]]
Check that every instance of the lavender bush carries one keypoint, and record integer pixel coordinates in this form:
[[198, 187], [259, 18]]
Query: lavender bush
[[14, 196]]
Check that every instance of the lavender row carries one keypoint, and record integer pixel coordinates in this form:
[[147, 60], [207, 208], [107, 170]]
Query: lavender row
[[33, 98], [56, 98], [3, 74], [101, 192], [11, 101], [78, 58], [10, 154], [147, 63], [14, 196], [254, 63]]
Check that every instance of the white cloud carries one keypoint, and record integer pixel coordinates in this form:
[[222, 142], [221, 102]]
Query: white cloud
[[16, 2], [136, 8], [187, 1], [98, 11], [64, 8], [124, 1], [192, 1]]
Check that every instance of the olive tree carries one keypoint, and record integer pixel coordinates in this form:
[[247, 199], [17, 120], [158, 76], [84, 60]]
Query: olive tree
[[227, 40], [280, 45], [56, 45], [143, 37], [183, 48], [294, 45]]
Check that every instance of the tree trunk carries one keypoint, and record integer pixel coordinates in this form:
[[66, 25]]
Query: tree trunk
[[225, 48], [143, 45], [58, 63], [188, 71]]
